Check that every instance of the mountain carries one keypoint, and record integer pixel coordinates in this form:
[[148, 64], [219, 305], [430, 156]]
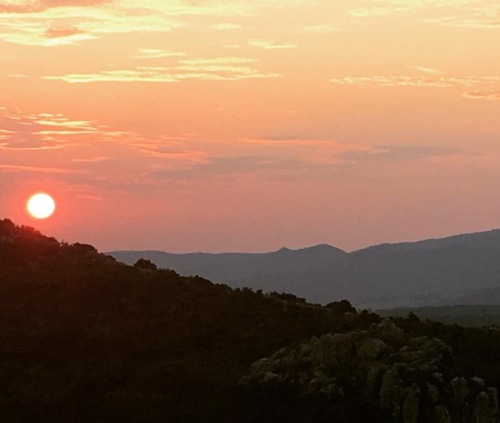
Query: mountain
[[84, 338], [283, 270], [451, 270]]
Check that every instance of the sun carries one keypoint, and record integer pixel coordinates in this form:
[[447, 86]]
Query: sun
[[41, 205]]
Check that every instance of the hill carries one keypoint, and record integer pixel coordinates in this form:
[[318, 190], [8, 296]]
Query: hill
[[84, 338], [452, 270]]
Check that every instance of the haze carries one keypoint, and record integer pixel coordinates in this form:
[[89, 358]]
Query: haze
[[245, 126]]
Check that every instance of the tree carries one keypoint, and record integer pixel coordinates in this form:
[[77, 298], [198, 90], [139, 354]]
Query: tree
[[145, 264]]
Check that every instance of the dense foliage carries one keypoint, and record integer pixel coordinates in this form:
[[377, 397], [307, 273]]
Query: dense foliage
[[84, 338], [464, 315]]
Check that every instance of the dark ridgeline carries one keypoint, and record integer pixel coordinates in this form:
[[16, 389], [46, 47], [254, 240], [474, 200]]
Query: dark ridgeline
[[462, 269], [84, 338]]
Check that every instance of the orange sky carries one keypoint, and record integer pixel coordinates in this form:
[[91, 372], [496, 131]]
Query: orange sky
[[218, 125]]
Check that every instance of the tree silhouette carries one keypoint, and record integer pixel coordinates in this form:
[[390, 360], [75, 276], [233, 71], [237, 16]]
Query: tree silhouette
[[145, 264]]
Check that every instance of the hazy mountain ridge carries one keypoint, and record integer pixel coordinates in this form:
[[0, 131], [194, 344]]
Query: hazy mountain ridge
[[240, 269], [434, 271]]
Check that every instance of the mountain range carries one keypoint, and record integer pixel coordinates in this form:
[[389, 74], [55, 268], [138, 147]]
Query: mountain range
[[461, 269]]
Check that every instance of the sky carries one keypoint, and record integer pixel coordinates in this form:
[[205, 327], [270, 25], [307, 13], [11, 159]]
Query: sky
[[217, 125]]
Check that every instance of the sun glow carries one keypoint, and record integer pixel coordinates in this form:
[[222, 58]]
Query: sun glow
[[41, 205]]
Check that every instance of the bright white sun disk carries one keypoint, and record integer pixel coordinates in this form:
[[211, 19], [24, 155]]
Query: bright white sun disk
[[41, 205]]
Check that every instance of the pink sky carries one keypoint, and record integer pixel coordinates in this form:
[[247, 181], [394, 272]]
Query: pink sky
[[247, 126]]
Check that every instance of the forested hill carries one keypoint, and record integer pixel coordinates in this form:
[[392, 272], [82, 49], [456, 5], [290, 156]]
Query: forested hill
[[84, 338], [462, 269]]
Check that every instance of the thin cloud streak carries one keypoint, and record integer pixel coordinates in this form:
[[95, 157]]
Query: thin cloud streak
[[271, 44], [482, 95], [433, 79], [37, 169], [211, 69]]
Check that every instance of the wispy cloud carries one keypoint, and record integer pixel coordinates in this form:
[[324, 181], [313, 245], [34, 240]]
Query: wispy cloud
[[47, 131], [406, 81], [482, 95], [151, 53], [137, 75], [175, 149], [397, 153], [91, 159], [364, 12], [39, 132], [478, 14], [34, 6], [224, 166], [318, 29], [37, 34], [49, 143], [306, 150], [467, 23], [272, 157], [212, 69], [432, 80], [36, 169], [226, 26], [270, 44], [426, 70], [44, 22]]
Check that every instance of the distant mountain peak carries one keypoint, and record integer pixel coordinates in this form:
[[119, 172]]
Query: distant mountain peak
[[318, 247]]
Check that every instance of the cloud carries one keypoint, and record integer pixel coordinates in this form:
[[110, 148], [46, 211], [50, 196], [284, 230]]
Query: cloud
[[405, 155], [270, 45], [29, 22], [46, 23], [90, 197], [171, 151], [364, 12], [405, 81], [426, 70], [26, 132], [478, 14], [47, 131], [226, 26], [482, 95], [311, 152], [59, 32], [34, 6], [413, 152], [483, 22], [150, 53], [55, 144], [38, 34], [36, 169], [224, 166], [318, 29], [138, 75], [92, 159], [429, 81], [212, 69]]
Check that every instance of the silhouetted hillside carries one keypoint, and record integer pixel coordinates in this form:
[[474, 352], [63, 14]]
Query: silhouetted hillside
[[84, 338], [442, 271]]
